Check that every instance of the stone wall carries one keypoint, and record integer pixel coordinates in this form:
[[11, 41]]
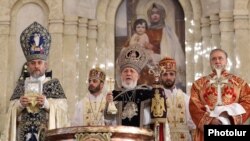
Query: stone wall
[[81, 41]]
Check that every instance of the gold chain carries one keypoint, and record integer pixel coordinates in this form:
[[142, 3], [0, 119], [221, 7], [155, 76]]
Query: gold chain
[[173, 99], [97, 113]]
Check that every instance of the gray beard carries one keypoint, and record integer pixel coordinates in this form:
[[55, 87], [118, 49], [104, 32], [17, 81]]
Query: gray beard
[[35, 75], [131, 85]]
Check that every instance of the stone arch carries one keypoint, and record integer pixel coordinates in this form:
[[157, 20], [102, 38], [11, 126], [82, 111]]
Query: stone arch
[[247, 6], [241, 4], [197, 9], [15, 7]]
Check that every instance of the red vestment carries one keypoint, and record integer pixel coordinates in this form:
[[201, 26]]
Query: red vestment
[[204, 92]]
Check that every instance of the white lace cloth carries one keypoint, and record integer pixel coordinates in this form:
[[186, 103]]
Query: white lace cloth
[[233, 109]]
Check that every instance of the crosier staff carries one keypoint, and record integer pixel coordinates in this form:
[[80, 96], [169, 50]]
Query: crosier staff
[[158, 103]]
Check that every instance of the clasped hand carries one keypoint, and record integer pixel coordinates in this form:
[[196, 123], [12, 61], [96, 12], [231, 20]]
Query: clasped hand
[[25, 101], [216, 121], [109, 97]]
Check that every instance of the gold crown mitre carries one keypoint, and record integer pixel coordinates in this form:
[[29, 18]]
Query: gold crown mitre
[[168, 64], [134, 57], [97, 73], [35, 42]]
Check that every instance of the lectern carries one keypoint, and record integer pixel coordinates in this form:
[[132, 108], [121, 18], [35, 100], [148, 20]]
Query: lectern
[[100, 133]]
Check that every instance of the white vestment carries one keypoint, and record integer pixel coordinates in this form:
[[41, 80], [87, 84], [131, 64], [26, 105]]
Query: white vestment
[[89, 111], [178, 115]]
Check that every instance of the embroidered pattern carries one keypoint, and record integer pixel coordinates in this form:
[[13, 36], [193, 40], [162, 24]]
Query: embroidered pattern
[[53, 89], [18, 91], [227, 90], [130, 110], [30, 124], [94, 112]]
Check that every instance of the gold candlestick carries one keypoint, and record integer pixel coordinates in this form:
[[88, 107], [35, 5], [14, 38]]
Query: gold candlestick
[[111, 82], [111, 107]]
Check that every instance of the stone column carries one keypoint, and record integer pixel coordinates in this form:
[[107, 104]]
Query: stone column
[[92, 44], [104, 51], [227, 31], [206, 45], [110, 38], [215, 31], [4, 100], [56, 54], [83, 71], [4, 40], [11, 55], [70, 58], [227, 36], [242, 49], [189, 47], [106, 15]]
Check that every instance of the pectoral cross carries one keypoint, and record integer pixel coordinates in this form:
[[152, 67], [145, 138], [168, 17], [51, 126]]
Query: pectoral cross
[[219, 81]]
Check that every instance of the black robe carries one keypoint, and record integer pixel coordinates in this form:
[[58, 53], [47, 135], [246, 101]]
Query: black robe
[[138, 96]]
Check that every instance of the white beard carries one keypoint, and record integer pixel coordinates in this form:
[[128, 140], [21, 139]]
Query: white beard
[[131, 85], [221, 67]]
